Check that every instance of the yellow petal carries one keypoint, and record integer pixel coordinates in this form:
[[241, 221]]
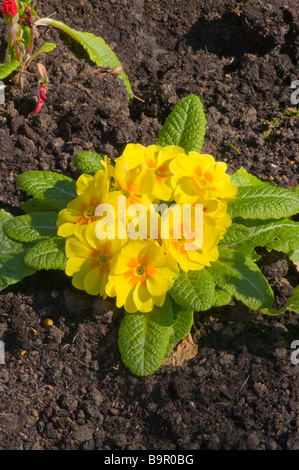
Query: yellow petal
[[142, 298], [82, 183], [95, 282], [66, 230]]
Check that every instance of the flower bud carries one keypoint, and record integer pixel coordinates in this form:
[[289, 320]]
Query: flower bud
[[26, 19], [41, 97], [21, 45], [42, 74], [10, 12]]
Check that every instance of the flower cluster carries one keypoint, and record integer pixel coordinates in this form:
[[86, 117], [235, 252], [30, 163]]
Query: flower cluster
[[139, 262]]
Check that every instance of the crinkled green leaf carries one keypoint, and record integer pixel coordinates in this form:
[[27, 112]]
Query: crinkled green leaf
[[31, 227], [242, 178], [53, 188], [88, 162], [183, 321], [292, 304], [47, 254], [182, 324], [194, 290], [238, 275], [280, 235], [26, 36], [144, 339], [12, 253], [7, 69], [221, 297], [185, 126], [263, 202]]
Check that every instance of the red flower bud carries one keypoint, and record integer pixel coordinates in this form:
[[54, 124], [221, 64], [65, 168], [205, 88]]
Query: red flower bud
[[41, 97], [9, 8]]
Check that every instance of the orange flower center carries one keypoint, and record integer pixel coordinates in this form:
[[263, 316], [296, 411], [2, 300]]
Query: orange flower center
[[205, 178], [163, 172]]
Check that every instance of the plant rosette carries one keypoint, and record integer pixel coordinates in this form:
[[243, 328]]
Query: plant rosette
[[164, 230]]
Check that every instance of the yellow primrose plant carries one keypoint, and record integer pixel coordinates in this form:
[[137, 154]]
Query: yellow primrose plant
[[164, 230]]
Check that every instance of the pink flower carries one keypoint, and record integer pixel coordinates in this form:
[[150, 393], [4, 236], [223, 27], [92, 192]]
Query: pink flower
[[41, 97], [9, 8]]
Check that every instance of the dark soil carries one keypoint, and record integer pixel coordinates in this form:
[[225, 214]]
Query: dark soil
[[70, 389]]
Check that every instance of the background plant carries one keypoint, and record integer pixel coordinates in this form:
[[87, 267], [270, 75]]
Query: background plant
[[22, 21], [262, 217]]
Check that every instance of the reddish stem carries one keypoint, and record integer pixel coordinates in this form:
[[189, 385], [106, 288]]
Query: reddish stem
[[30, 49]]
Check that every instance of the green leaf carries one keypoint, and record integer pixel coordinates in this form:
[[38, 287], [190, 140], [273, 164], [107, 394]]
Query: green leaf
[[292, 304], [235, 234], [221, 297], [88, 162], [53, 188], [47, 254], [34, 205], [182, 324], [238, 275], [12, 266], [144, 339], [47, 47], [242, 178], [279, 235], [31, 227], [7, 69], [185, 126], [26, 33], [296, 188], [263, 202], [97, 49], [23, 4], [194, 290], [295, 256], [183, 321]]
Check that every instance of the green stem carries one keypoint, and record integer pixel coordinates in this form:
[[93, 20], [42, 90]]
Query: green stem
[[7, 56], [14, 40]]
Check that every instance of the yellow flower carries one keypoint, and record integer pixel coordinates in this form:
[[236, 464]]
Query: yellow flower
[[157, 159], [90, 260], [192, 241], [216, 209], [198, 176], [142, 276], [131, 186], [108, 168], [91, 191], [136, 184]]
